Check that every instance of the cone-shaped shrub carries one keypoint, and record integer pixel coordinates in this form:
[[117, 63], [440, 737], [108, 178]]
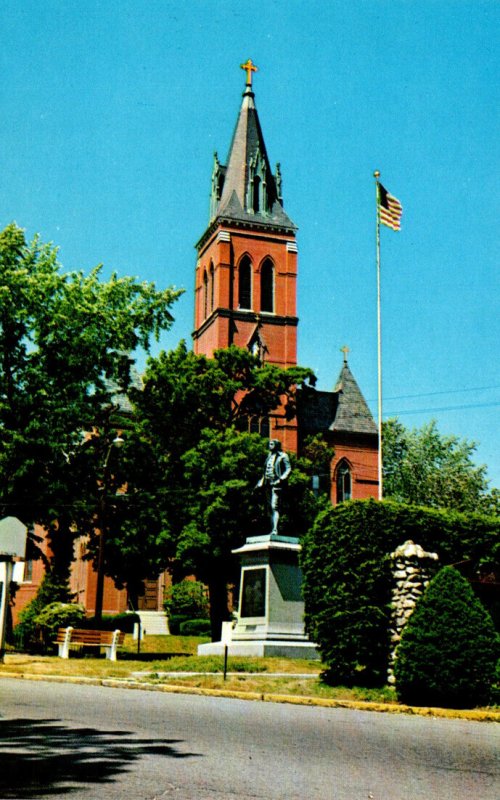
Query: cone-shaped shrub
[[449, 648]]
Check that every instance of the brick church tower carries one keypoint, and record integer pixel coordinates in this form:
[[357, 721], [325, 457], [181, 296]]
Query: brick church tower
[[245, 292], [246, 271]]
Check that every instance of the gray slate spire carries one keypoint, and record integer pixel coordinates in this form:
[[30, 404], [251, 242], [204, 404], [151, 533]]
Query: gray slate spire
[[353, 414], [246, 190]]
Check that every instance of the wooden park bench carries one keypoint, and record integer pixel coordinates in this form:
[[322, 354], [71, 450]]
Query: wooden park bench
[[79, 637]]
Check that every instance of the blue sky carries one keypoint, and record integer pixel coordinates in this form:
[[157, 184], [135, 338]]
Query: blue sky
[[111, 112]]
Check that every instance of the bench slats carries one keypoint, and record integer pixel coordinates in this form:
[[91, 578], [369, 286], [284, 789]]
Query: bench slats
[[66, 637], [82, 636]]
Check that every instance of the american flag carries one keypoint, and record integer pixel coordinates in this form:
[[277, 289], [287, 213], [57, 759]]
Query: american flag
[[389, 209]]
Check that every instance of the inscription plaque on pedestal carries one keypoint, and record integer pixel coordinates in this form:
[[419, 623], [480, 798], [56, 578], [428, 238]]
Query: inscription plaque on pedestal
[[253, 592]]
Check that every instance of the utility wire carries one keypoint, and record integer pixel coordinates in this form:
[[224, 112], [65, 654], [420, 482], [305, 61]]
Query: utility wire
[[445, 391], [441, 408]]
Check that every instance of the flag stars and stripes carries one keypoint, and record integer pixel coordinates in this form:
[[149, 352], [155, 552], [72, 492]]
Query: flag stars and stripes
[[389, 209]]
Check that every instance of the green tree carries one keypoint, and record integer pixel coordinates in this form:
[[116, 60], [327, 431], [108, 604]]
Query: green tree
[[449, 648], [224, 508], [424, 467], [190, 414], [64, 344]]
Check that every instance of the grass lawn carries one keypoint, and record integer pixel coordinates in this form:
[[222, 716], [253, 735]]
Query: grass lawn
[[177, 654]]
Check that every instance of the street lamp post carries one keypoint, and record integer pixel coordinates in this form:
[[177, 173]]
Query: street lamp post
[[99, 592]]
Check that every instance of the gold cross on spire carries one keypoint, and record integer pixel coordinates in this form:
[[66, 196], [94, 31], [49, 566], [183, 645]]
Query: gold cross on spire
[[249, 67], [345, 350]]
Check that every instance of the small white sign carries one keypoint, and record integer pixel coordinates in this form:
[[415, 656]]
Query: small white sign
[[227, 633], [12, 537]]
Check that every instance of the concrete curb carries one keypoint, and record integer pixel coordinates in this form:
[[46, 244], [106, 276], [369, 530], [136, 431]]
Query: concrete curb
[[322, 702]]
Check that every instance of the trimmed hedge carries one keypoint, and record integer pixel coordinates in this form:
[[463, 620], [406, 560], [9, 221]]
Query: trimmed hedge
[[195, 627], [449, 648], [347, 575]]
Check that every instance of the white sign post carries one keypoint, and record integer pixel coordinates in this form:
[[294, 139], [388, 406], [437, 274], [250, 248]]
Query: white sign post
[[226, 638], [12, 545]]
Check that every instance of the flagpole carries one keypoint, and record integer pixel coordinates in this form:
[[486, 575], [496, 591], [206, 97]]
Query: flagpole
[[376, 175]]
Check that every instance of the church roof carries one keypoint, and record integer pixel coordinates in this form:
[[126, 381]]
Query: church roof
[[342, 411], [352, 414], [246, 189]]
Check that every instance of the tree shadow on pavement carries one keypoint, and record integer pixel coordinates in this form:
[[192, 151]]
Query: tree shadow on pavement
[[40, 758]]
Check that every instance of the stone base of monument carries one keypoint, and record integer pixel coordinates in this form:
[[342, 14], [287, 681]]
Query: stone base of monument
[[271, 609]]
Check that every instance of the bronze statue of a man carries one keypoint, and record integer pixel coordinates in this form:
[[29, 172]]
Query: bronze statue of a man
[[276, 473]]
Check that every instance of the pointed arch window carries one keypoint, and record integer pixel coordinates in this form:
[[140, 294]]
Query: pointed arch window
[[245, 283], [267, 286], [261, 425], [256, 194], [212, 286], [344, 482], [265, 427], [205, 294]]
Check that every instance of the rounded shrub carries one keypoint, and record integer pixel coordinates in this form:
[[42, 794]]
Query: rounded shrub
[[37, 628], [55, 616], [449, 648], [187, 598]]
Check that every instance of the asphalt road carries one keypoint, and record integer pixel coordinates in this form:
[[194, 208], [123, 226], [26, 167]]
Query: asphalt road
[[84, 743]]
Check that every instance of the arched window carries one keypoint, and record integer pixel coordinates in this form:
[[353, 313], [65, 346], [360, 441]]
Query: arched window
[[344, 482], [212, 287], [265, 428], [255, 425], [256, 194], [245, 283], [267, 286], [205, 295]]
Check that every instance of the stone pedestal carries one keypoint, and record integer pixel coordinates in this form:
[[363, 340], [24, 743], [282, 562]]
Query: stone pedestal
[[271, 609]]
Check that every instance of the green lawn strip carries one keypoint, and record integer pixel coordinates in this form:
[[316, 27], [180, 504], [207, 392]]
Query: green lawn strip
[[177, 654]]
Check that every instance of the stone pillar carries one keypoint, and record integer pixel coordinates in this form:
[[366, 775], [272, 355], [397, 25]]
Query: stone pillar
[[412, 571]]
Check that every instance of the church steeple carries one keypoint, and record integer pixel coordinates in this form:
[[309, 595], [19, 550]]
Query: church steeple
[[246, 188]]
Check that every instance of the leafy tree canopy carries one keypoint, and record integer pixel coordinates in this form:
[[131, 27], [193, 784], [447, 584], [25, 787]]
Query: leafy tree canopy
[[184, 393], [65, 340], [424, 467]]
